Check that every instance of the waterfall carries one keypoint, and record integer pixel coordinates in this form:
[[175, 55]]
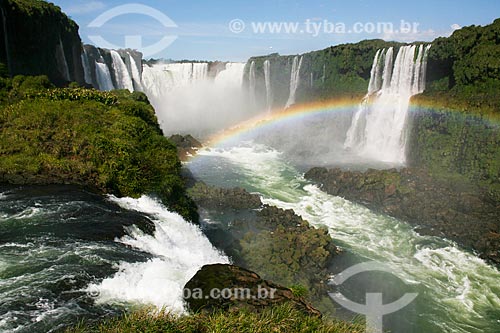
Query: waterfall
[[86, 67], [294, 80], [160, 79], [123, 79], [103, 77], [267, 79], [61, 61], [232, 76], [200, 71], [378, 127], [184, 93], [252, 81], [6, 41], [136, 75], [375, 78]]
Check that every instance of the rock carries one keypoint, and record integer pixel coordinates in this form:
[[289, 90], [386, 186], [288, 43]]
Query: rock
[[277, 243], [284, 248], [232, 288], [186, 145], [210, 197]]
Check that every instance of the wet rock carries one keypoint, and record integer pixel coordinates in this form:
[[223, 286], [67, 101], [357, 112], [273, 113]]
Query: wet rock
[[186, 145], [232, 288], [211, 197]]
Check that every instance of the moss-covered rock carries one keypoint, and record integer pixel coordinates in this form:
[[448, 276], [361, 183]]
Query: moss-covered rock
[[231, 288], [211, 197], [444, 205], [278, 244], [285, 248], [453, 142], [187, 145]]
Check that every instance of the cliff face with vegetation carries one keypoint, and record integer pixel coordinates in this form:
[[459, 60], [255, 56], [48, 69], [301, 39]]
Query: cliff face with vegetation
[[464, 76], [456, 143], [338, 71], [38, 39]]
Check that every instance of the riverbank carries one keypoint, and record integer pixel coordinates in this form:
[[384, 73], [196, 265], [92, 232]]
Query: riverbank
[[451, 208]]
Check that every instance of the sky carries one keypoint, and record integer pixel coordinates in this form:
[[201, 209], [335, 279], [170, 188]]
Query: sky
[[236, 30]]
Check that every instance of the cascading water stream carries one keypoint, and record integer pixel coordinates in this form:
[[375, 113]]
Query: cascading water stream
[[267, 81], [179, 250], [378, 127], [123, 79], [103, 77], [184, 93], [294, 80], [135, 74], [86, 67], [61, 61], [73, 259], [231, 76], [6, 40], [252, 81]]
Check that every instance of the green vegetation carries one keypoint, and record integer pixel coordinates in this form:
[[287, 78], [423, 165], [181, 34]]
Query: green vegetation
[[338, 71], [456, 143], [283, 318], [37, 40], [464, 69], [464, 76], [285, 249], [107, 141]]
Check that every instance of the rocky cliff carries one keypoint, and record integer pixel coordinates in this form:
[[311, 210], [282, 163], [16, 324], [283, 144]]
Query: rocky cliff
[[456, 143], [92, 55], [39, 39]]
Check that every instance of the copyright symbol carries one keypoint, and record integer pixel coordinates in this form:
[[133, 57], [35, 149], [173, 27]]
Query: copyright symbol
[[236, 26]]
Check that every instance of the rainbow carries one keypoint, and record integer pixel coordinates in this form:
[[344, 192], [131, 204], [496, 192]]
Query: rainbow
[[279, 116], [302, 111]]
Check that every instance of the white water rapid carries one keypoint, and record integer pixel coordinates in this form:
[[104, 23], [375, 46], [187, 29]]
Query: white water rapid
[[178, 248]]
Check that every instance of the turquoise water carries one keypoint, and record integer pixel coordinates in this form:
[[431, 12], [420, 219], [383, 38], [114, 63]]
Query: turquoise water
[[457, 291]]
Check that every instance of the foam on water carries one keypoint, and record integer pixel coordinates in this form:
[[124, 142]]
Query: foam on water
[[459, 290], [179, 249]]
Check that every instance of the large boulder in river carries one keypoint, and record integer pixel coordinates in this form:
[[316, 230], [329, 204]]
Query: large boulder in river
[[232, 288]]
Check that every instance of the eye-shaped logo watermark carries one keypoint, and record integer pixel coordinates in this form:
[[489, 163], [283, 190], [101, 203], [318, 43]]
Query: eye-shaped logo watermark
[[374, 309], [133, 41]]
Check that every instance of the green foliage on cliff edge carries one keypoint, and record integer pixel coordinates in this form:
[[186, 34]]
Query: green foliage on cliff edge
[[107, 141], [464, 69], [338, 71], [279, 319]]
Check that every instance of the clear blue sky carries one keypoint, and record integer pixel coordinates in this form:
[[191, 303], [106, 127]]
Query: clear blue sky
[[203, 26]]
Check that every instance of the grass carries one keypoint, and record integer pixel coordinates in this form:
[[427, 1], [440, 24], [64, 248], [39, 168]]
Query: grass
[[283, 318]]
